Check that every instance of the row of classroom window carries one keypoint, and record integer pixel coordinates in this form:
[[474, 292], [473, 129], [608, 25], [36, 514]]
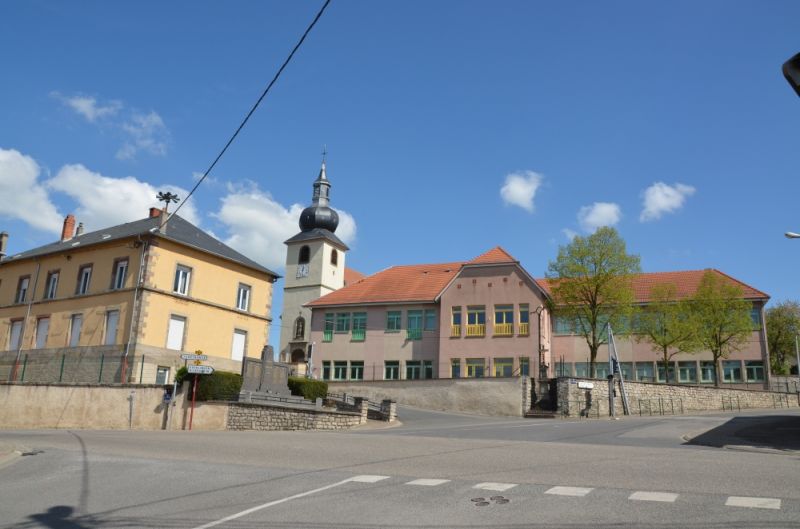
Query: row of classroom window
[[418, 321], [564, 326], [181, 284], [175, 333], [732, 370]]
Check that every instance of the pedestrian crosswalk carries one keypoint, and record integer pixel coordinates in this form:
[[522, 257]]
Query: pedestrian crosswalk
[[745, 502]]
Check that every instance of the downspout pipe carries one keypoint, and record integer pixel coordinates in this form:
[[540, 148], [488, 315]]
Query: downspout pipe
[[25, 321], [134, 307]]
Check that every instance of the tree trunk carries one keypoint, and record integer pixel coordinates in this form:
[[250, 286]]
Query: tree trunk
[[716, 371], [666, 366], [593, 360]]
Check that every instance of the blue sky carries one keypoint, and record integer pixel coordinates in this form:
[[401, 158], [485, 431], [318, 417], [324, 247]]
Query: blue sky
[[451, 127]]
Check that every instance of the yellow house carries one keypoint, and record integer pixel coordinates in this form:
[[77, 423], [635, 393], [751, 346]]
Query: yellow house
[[123, 303]]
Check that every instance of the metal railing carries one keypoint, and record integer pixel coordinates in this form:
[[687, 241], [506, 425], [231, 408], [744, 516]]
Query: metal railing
[[660, 406], [476, 330], [350, 400], [455, 331], [503, 329], [524, 329], [358, 335], [780, 401], [414, 334], [327, 335]]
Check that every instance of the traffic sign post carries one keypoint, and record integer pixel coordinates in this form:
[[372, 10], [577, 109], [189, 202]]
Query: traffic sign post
[[196, 369], [199, 369]]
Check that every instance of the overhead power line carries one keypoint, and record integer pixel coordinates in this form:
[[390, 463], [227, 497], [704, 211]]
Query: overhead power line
[[255, 106]]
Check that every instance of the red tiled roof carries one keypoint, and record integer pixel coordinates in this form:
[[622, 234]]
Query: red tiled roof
[[396, 284], [495, 255], [685, 281], [352, 276]]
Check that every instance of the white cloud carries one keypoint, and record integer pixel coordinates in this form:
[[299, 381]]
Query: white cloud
[[88, 107], [597, 215], [520, 189], [24, 197], [258, 225], [107, 201], [146, 132], [661, 198], [140, 131], [569, 234]]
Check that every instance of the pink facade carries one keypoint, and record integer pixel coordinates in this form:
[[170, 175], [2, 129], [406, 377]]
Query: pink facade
[[492, 288]]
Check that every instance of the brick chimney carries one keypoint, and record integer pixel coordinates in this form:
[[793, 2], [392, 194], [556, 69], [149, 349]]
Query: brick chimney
[[79, 231], [155, 212], [69, 227], [3, 244]]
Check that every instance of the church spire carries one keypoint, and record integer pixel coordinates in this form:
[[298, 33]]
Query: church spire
[[319, 214]]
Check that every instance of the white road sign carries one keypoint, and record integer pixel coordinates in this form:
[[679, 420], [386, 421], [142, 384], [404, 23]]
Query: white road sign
[[200, 370], [187, 356]]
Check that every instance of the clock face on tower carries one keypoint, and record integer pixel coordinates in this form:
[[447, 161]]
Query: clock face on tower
[[302, 270]]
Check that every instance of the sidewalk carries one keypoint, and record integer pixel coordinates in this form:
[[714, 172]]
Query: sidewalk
[[7, 453]]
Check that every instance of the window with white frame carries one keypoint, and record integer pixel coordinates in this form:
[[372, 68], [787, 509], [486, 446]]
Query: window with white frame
[[119, 274], [22, 289], [183, 274], [243, 297], [75, 324], [15, 337], [42, 328], [51, 285], [112, 321], [84, 278]]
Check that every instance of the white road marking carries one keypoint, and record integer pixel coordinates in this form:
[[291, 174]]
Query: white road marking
[[569, 491], [428, 482], [276, 502], [500, 487], [666, 497], [753, 503], [366, 478]]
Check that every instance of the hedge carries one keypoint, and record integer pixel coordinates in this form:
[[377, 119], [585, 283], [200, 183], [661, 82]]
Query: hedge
[[308, 388], [219, 385]]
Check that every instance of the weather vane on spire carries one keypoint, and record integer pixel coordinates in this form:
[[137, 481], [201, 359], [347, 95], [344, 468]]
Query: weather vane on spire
[[324, 152]]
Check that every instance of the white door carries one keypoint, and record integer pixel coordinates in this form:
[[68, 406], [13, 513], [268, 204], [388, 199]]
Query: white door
[[237, 349], [16, 335], [75, 330], [112, 318], [42, 326], [175, 333]]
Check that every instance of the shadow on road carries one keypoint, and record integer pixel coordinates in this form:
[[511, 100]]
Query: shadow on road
[[781, 432]]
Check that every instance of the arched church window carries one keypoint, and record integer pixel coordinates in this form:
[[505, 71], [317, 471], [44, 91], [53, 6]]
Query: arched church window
[[334, 257], [299, 328], [305, 255]]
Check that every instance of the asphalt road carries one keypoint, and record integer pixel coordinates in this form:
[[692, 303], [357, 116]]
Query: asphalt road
[[436, 470]]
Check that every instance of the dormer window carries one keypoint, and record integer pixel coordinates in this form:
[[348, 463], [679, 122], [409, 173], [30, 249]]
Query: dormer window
[[334, 257]]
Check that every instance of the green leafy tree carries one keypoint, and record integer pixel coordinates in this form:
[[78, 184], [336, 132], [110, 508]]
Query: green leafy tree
[[591, 280], [666, 324], [722, 318], [783, 324]]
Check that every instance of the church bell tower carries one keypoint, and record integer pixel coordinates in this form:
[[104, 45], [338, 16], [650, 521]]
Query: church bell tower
[[315, 261]]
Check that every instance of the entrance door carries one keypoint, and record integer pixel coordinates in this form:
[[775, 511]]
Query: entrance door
[[175, 333]]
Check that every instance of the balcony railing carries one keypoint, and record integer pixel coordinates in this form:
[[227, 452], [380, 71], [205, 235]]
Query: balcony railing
[[524, 329], [414, 334], [359, 335], [476, 330], [327, 335], [455, 331], [503, 329]]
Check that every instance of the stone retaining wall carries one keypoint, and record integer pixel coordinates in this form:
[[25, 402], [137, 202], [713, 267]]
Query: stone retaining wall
[[484, 396], [656, 399], [242, 416]]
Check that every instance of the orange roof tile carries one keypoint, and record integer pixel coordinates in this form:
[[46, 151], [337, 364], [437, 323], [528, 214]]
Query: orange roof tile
[[396, 284], [685, 281], [495, 255], [352, 276]]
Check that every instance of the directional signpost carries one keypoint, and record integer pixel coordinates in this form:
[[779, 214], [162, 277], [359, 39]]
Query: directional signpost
[[196, 368]]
